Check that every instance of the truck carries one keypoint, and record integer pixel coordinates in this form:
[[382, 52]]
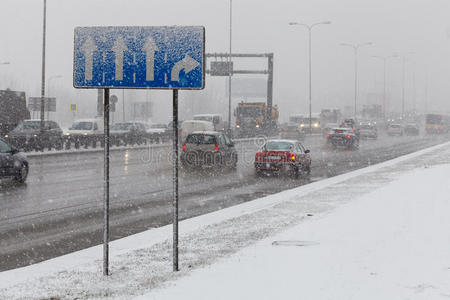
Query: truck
[[13, 110], [251, 119], [330, 115]]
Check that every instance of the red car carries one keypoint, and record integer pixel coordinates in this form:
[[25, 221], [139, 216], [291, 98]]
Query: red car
[[283, 156]]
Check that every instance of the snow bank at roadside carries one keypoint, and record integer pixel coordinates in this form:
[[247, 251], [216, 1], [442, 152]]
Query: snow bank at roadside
[[393, 243], [142, 262]]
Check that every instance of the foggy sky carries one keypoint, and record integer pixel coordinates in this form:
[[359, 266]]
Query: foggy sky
[[259, 26]]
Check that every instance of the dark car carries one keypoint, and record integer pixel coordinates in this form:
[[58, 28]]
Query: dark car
[[27, 135], [411, 129], [12, 163], [343, 137], [208, 149], [283, 156], [128, 133]]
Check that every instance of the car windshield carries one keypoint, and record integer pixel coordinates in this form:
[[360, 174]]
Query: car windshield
[[204, 139], [203, 118], [249, 111], [27, 125], [82, 125], [158, 126], [278, 145], [122, 126]]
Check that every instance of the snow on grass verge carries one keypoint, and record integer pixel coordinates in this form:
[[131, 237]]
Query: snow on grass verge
[[142, 262]]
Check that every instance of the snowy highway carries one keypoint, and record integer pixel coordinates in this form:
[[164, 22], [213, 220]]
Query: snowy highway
[[59, 210]]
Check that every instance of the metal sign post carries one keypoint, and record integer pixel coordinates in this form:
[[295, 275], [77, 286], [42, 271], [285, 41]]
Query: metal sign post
[[175, 180], [139, 57], [106, 185]]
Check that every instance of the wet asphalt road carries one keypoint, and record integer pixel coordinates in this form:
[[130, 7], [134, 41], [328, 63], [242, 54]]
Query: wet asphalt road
[[59, 210]]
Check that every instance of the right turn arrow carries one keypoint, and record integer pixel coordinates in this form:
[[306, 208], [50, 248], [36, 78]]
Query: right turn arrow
[[187, 63]]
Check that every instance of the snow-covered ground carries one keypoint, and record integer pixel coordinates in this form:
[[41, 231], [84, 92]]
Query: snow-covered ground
[[381, 232]]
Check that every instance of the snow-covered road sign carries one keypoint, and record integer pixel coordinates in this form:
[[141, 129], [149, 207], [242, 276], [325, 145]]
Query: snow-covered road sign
[[139, 57]]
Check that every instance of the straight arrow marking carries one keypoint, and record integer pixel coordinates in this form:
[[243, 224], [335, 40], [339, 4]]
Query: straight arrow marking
[[187, 63], [150, 48], [119, 48], [88, 48]]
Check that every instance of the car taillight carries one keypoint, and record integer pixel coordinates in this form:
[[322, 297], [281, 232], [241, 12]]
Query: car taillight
[[348, 136], [184, 147], [216, 148], [258, 156], [328, 135], [292, 156]]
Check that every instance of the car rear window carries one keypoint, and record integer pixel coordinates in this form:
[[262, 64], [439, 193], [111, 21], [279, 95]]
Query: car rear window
[[271, 146], [204, 139]]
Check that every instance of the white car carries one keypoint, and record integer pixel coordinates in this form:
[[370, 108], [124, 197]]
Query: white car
[[157, 128], [395, 129]]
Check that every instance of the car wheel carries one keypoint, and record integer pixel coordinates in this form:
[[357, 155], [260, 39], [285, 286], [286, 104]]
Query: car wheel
[[21, 177]]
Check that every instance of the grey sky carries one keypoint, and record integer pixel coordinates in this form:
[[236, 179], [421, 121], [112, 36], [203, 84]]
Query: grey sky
[[398, 26]]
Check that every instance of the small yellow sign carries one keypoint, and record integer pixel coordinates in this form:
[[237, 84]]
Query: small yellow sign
[[73, 107]]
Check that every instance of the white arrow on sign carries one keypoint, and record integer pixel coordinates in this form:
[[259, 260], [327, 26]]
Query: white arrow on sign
[[118, 48], [88, 48], [150, 48], [187, 63]]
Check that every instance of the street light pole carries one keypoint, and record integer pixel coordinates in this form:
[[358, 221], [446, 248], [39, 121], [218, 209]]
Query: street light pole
[[43, 66], [384, 59], [404, 60], [310, 27], [356, 48], [230, 70]]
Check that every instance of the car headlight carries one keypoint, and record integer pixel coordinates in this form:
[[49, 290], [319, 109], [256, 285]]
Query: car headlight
[[85, 133], [35, 135], [257, 126], [302, 125], [316, 125], [6, 135], [237, 126], [67, 133]]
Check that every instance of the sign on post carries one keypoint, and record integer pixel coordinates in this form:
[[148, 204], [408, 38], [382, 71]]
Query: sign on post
[[73, 107], [139, 57], [34, 104]]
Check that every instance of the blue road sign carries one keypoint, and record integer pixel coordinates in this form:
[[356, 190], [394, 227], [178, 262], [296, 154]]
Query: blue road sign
[[139, 57]]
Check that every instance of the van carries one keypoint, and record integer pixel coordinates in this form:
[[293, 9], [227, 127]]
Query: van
[[86, 128], [189, 126], [216, 119]]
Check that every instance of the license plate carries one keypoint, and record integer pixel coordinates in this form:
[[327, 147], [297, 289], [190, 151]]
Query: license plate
[[273, 157]]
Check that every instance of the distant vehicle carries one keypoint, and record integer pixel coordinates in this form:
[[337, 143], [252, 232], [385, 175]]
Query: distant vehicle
[[13, 110], [395, 129], [328, 128], [208, 149], [343, 137], [437, 123], [160, 128], [291, 131], [216, 119], [85, 131], [348, 123], [411, 129], [27, 135], [251, 118], [314, 123], [128, 133], [189, 126], [13, 164], [283, 156], [368, 131]]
